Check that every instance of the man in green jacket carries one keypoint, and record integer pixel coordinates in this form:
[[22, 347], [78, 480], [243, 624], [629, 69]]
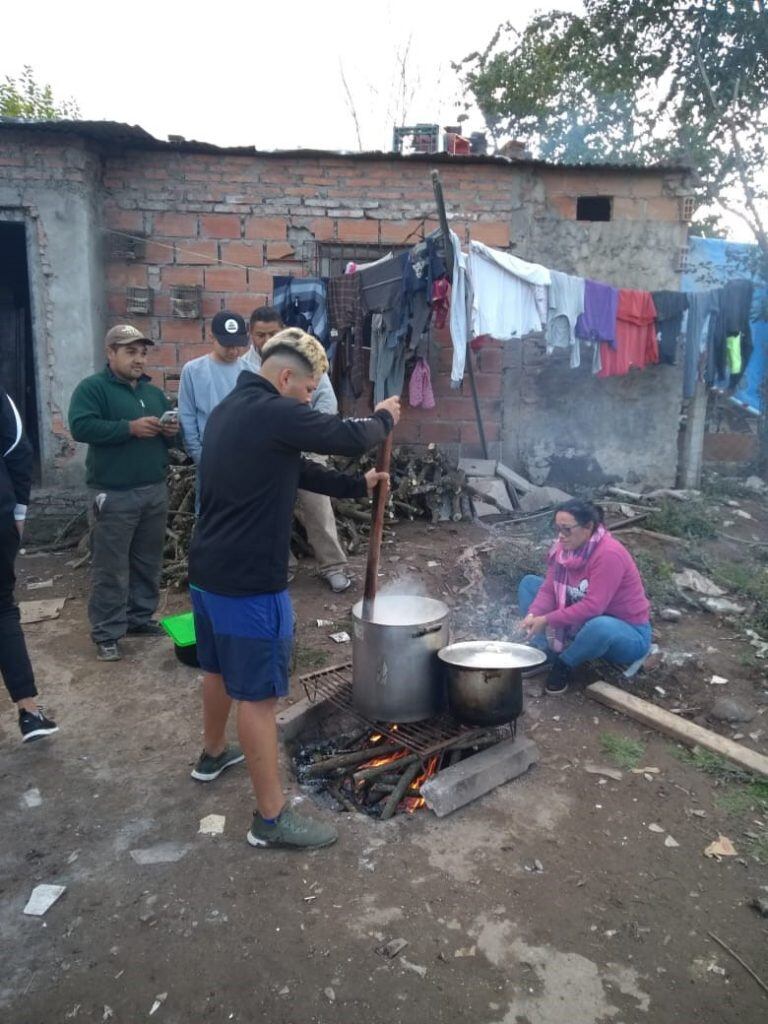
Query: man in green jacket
[[126, 423]]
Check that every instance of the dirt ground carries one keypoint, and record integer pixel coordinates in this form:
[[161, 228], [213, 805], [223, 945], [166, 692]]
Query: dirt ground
[[613, 928]]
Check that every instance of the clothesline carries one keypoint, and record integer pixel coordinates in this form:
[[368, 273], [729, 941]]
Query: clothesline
[[499, 295]]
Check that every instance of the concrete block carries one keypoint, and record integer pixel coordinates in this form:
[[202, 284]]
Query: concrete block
[[541, 497], [305, 714], [478, 467], [493, 487], [475, 776]]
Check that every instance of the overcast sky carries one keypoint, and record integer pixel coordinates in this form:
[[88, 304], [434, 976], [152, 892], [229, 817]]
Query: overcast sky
[[260, 73], [257, 73]]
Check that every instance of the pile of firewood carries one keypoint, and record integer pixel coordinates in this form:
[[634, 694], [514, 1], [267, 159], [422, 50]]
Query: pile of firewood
[[424, 484], [378, 777]]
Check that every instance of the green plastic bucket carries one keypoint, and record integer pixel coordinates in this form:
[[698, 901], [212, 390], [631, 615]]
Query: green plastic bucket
[[181, 629]]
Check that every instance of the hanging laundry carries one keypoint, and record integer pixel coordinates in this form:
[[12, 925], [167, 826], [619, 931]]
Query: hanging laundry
[[701, 306], [346, 317], [566, 304], [382, 285], [387, 365], [737, 311], [733, 354], [441, 302], [636, 343], [506, 304], [716, 363], [420, 391], [670, 309], [301, 302], [598, 321], [460, 315], [353, 267]]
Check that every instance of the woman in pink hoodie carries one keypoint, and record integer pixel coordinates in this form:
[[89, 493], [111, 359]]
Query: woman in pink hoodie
[[591, 604]]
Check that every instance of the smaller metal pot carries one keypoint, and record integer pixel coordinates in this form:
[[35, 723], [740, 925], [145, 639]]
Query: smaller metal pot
[[485, 679]]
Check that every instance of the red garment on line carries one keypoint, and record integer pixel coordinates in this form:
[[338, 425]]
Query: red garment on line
[[636, 341]]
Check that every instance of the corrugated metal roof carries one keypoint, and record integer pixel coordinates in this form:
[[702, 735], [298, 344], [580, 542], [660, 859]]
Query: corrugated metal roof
[[113, 134]]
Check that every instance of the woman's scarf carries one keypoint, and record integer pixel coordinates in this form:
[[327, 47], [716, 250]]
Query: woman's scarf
[[566, 562]]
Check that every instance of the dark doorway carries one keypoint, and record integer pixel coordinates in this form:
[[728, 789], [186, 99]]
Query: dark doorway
[[17, 365]]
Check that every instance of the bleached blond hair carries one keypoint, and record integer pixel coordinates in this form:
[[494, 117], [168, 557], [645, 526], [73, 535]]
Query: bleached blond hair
[[295, 342]]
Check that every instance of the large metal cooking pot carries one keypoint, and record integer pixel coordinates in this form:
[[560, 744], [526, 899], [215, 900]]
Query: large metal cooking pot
[[485, 679], [396, 676]]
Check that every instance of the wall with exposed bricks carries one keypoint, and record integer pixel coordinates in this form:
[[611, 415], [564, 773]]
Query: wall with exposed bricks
[[229, 223]]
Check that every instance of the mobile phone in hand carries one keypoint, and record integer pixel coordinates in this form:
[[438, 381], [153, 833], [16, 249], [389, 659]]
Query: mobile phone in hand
[[170, 416]]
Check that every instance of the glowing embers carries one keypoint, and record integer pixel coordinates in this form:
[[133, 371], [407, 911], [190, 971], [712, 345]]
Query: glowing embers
[[370, 773]]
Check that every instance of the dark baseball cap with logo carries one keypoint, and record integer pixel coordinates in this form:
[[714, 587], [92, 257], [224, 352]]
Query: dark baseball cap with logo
[[230, 330]]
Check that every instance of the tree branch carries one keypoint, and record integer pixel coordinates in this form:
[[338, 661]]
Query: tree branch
[[351, 105]]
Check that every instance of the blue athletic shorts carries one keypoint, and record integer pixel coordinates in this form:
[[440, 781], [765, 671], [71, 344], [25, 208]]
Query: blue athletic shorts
[[246, 640]]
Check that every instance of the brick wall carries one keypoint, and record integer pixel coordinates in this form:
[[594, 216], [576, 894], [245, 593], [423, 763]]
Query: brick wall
[[229, 223]]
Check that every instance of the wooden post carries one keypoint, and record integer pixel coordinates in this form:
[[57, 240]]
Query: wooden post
[[438, 190], [692, 454]]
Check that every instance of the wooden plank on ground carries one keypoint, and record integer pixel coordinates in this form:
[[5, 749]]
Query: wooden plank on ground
[[689, 733], [522, 485]]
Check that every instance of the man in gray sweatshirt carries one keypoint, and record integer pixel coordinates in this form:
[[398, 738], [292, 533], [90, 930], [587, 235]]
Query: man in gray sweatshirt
[[314, 511], [207, 380]]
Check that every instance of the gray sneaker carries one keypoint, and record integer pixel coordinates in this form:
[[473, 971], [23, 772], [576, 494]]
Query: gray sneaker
[[108, 651], [209, 768], [338, 581], [291, 830]]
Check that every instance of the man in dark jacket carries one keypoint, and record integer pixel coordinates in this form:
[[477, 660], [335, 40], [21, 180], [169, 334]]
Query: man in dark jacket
[[250, 470], [15, 481], [126, 424]]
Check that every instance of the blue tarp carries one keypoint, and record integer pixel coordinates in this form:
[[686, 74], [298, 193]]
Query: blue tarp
[[712, 262]]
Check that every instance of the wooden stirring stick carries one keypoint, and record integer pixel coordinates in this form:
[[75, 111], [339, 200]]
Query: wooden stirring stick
[[377, 528]]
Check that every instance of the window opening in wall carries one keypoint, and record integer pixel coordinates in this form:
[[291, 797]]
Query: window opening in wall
[[139, 301], [187, 301], [593, 207], [331, 258], [17, 357]]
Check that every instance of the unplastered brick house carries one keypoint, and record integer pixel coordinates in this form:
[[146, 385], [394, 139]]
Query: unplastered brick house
[[101, 223]]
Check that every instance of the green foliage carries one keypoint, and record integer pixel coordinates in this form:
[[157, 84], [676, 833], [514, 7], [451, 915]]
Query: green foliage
[[624, 752], [742, 795], [638, 81], [23, 97], [687, 519], [657, 578]]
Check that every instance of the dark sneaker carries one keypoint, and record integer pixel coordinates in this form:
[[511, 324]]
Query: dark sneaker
[[108, 651], [338, 581], [34, 725], [151, 628], [291, 830], [559, 679], [209, 768]]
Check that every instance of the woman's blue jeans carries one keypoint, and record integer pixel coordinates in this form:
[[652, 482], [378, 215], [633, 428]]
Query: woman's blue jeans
[[602, 637]]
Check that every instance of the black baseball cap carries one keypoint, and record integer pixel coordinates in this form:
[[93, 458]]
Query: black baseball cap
[[230, 330]]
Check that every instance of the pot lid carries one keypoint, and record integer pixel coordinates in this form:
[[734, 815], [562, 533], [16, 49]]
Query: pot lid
[[490, 654]]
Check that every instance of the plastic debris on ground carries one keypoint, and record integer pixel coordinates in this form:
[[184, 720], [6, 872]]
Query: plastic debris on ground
[[721, 847], [42, 899], [212, 825], [340, 638], [31, 798]]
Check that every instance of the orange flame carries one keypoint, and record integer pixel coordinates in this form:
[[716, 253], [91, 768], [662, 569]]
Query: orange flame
[[413, 803]]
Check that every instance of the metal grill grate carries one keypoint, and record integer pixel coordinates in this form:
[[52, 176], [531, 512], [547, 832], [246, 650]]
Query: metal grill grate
[[423, 738]]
